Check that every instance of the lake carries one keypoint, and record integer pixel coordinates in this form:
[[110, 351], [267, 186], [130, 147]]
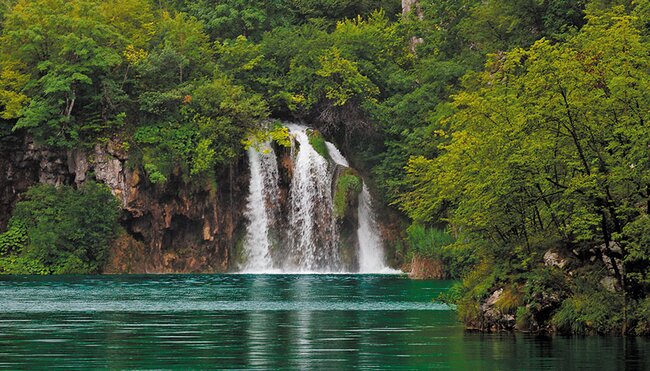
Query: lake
[[269, 321]]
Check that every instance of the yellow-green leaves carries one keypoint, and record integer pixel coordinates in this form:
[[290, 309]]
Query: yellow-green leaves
[[342, 78], [12, 81], [546, 141]]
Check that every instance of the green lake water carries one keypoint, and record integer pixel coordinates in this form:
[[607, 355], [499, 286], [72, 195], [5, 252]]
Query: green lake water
[[269, 322]]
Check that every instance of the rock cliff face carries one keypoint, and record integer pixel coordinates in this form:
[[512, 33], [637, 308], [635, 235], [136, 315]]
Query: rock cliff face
[[173, 227]]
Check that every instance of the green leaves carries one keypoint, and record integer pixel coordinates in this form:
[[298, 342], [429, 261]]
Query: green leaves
[[548, 143], [66, 49], [60, 230], [343, 81], [14, 239], [214, 120]]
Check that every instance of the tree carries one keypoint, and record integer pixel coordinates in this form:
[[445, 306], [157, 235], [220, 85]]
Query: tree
[[549, 143], [59, 60]]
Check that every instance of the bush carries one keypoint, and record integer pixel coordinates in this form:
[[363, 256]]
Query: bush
[[595, 312], [14, 239], [545, 286], [641, 317], [510, 300], [22, 265], [68, 230], [428, 242], [439, 244]]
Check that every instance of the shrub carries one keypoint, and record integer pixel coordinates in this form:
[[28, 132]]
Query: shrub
[[440, 244], [14, 264], [69, 230], [14, 239], [641, 317], [428, 242], [510, 300], [545, 284], [596, 312]]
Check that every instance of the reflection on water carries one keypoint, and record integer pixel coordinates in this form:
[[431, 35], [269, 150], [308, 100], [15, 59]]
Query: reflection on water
[[274, 321]]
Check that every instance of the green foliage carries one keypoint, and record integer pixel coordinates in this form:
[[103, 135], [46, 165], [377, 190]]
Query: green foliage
[[212, 124], [594, 312], [348, 185], [343, 80], [222, 113], [440, 244], [59, 57], [231, 18], [510, 300], [636, 240], [14, 239], [69, 230], [278, 133], [641, 317], [428, 242], [544, 285], [154, 174], [548, 144], [499, 24], [14, 264]]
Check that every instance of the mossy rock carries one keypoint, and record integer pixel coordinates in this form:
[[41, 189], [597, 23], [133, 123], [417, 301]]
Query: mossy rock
[[348, 187], [318, 143]]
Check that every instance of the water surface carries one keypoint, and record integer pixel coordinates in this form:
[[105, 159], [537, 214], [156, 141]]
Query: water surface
[[268, 321]]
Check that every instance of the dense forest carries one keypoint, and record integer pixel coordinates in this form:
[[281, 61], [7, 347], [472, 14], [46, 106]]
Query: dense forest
[[513, 137]]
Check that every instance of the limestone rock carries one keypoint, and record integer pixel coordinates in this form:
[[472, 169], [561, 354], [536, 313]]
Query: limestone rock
[[491, 318], [554, 259]]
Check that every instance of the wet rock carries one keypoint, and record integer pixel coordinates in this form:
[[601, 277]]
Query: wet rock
[[489, 318]]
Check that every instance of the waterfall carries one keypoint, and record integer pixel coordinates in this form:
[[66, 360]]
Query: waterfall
[[336, 155], [301, 233], [262, 200], [313, 226], [371, 251]]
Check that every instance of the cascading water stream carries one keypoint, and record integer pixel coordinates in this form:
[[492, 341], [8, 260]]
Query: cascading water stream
[[336, 155], [371, 251], [262, 200], [311, 221], [311, 236]]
